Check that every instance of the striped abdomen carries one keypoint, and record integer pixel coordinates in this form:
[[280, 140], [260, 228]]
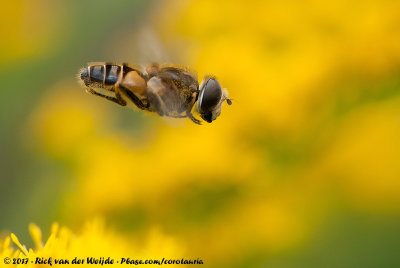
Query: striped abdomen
[[104, 75]]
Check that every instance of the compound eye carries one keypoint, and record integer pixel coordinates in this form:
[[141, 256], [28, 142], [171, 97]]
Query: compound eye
[[210, 95], [207, 117]]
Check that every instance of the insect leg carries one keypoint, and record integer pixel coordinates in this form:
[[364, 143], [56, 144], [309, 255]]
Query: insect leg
[[178, 116], [191, 116], [132, 97], [118, 100]]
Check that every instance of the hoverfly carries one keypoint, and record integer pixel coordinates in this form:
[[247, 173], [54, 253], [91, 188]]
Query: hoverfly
[[167, 90]]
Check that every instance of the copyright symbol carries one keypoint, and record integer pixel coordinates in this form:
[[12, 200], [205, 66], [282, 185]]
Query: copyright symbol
[[7, 260]]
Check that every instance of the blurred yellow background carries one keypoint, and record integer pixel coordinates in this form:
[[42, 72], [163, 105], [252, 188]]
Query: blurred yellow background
[[303, 170]]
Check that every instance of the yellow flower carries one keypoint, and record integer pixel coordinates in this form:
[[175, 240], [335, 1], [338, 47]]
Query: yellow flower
[[95, 241]]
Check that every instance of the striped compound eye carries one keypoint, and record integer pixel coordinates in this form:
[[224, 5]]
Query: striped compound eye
[[210, 94], [209, 100]]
